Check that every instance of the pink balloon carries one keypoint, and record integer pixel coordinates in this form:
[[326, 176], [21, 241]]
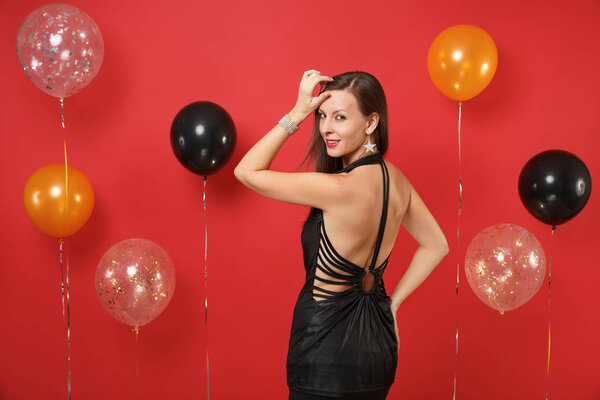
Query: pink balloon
[[60, 49], [505, 266], [135, 281]]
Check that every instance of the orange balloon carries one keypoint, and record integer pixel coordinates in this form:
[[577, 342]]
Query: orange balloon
[[462, 61], [47, 205]]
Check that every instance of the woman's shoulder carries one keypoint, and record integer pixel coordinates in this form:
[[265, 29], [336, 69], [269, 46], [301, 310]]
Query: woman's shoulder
[[396, 175], [361, 182], [400, 187]]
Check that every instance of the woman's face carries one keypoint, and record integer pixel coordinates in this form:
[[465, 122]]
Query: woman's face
[[343, 127]]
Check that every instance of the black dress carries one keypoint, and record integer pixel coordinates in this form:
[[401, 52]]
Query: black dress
[[343, 343]]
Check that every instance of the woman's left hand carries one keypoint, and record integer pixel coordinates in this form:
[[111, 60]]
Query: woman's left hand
[[396, 330], [394, 310], [307, 103]]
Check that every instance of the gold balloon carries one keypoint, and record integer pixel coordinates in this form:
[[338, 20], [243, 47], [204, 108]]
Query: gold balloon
[[462, 61], [46, 201]]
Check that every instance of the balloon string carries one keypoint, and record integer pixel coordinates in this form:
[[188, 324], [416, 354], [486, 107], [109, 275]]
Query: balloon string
[[62, 109], [137, 359], [62, 282], [502, 331], [457, 244], [68, 319], [549, 314], [62, 112], [66, 314], [68, 329], [206, 286]]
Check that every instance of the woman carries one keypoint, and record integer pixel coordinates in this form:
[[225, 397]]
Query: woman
[[344, 338]]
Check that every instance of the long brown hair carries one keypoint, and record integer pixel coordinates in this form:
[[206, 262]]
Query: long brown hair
[[370, 98]]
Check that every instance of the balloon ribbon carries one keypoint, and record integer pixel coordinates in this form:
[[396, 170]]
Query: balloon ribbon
[[62, 109], [61, 241], [502, 353], [67, 314], [549, 314], [137, 359], [457, 243], [206, 286]]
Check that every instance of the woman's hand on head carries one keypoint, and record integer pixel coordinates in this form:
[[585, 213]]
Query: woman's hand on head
[[307, 103]]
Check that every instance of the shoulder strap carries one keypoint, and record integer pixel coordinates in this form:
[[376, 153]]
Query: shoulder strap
[[382, 222], [374, 158]]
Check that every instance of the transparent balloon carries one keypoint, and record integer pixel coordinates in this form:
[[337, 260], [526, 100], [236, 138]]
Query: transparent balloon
[[60, 48], [505, 266], [135, 281]]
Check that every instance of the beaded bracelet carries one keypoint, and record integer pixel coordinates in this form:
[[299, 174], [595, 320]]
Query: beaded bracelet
[[288, 124]]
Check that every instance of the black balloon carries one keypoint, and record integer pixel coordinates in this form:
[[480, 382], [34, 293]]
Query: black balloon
[[554, 186], [203, 137]]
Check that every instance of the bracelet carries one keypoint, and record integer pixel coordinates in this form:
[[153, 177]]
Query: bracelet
[[288, 124]]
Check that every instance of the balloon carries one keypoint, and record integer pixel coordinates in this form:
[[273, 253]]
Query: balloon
[[462, 61], [203, 137], [505, 266], [135, 281], [554, 186], [60, 48], [46, 202]]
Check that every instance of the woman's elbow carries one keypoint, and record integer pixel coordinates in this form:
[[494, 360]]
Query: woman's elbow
[[239, 174], [439, 247], [442, 245], [246, 177], [444, 248]]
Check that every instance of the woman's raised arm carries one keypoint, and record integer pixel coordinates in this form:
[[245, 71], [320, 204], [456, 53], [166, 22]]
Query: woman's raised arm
[[310, 189]]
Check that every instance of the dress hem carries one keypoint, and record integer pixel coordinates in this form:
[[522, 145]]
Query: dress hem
[[317, 392]]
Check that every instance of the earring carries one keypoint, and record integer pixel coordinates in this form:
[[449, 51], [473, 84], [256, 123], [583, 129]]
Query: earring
[[369, 146]]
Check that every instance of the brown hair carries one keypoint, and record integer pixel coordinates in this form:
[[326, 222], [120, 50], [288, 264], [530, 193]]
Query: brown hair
[[370, 98]]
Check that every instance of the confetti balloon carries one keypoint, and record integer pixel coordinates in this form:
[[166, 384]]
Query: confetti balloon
[[135, 281], [505, 266], [60, 48], [462, 61], [51, 209]]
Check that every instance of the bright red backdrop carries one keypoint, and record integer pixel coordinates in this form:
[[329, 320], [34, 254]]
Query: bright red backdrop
[[248, 57]]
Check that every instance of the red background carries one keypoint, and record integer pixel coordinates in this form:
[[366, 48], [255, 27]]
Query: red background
[[248, 57]]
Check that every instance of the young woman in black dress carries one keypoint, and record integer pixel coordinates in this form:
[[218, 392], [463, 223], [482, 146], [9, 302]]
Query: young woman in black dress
[[344, 338]]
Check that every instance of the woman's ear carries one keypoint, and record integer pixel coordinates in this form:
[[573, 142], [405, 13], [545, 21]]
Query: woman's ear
[[372, 123]]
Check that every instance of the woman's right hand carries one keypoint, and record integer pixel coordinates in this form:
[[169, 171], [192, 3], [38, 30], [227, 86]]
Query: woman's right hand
[[307, 103]]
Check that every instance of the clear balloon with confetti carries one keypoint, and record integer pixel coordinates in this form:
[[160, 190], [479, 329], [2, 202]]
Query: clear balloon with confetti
[[505, 266], [135, 281], [60, 48]]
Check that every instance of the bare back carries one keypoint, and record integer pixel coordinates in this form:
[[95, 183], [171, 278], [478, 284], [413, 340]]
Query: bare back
[[352, 226]]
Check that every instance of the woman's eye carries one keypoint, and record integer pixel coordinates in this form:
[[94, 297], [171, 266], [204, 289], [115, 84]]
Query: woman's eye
[[321, 115], [340, 117]]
